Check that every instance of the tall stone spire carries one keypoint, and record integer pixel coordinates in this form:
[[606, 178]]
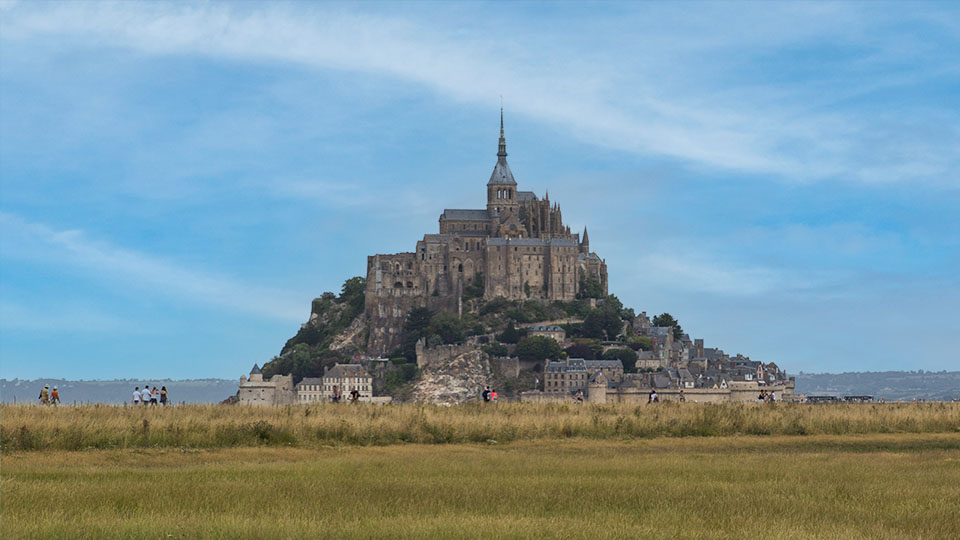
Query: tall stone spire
[[501, 171], [502, 150], [585, 242]]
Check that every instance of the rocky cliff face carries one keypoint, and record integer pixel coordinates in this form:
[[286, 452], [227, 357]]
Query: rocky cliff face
[[353, 339], [462, 379]]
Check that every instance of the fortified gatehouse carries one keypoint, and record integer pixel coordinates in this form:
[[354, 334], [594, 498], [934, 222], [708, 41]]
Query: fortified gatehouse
[[517, 247]]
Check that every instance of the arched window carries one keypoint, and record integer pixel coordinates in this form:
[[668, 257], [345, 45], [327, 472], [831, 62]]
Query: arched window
[[398, 267], [460, 268], [398, 285], [409, 284]]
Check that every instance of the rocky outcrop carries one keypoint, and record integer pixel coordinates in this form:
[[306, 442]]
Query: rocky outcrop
[[353, 338], [459, 380]]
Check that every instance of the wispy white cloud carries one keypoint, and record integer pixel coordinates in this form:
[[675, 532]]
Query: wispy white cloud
[[603, 95], [143, 272], [61, 318], [699, 274], [694, 271]]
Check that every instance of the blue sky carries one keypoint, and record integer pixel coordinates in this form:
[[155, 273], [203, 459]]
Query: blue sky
[[180, 180]]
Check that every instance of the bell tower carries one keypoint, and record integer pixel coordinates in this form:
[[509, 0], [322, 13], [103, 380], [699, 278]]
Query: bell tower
[[502, 188]]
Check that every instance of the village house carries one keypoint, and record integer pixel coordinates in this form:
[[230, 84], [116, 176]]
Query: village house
[[310, 390], [555, 332], [277, 390], [571, 375], [346, 378]]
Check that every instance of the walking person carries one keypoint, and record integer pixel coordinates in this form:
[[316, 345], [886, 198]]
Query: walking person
[[163, 396], [137, 396], [155, 396], [145, 395], [45, 395], [336, 395], [55, 396], [682, 397]]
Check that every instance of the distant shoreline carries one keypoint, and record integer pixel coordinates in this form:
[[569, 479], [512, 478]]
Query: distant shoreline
[[889, 385]]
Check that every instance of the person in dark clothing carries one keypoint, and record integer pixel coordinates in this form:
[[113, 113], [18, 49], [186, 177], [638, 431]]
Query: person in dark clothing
[[486, 393]]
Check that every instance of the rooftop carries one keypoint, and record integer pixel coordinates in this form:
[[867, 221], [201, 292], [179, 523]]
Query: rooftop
[[346, 370], [457, 213]]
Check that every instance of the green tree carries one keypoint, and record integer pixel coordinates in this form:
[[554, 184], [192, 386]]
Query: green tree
[[538, 348], [447, 326], [641, 343], [495, 350], [590, 288], [510, 335], [352, 291], [475, 288], [416, 326], [627, 356], [602, 324], [665, 319], [582, 350]]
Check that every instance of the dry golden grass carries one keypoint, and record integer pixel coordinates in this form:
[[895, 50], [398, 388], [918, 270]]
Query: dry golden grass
[[26, 428], [877, 486]]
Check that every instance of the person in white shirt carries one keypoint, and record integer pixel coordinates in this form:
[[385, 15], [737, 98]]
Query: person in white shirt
[[145, 395], [136, 396]]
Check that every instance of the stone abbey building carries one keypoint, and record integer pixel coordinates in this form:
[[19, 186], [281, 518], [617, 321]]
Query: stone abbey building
[[517, 246]]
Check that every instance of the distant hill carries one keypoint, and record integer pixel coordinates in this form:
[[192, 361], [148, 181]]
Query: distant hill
[[118, 391], [889, 385]]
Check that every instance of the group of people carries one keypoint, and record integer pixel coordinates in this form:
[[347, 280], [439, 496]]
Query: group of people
[[767, 397], [147, 397], [489, 394], [354, 395], [49, 397]]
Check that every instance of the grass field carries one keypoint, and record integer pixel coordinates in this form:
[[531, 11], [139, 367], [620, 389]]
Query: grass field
[[682, 471], [880, 486], [212, 426]]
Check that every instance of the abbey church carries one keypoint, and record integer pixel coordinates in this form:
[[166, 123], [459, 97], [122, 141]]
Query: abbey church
[[517, 248]]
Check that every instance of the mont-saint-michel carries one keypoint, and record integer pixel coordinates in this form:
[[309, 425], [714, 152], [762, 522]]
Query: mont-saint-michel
[[508, 297], [603, 306]]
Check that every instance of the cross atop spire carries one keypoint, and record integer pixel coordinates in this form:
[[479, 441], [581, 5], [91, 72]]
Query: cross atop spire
[[502, 150]]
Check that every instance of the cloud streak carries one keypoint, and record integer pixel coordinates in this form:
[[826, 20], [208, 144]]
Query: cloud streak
[[143, 272], [608, 99]]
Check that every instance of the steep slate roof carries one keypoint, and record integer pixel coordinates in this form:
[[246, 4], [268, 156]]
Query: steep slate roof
[[310, 380], [346, 370], [564, 242], [608, 364], [555, 367], [576, 364], [255, 370], [501, 171], [545, 329], [524, 196], [662, 381], [478, 215]]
